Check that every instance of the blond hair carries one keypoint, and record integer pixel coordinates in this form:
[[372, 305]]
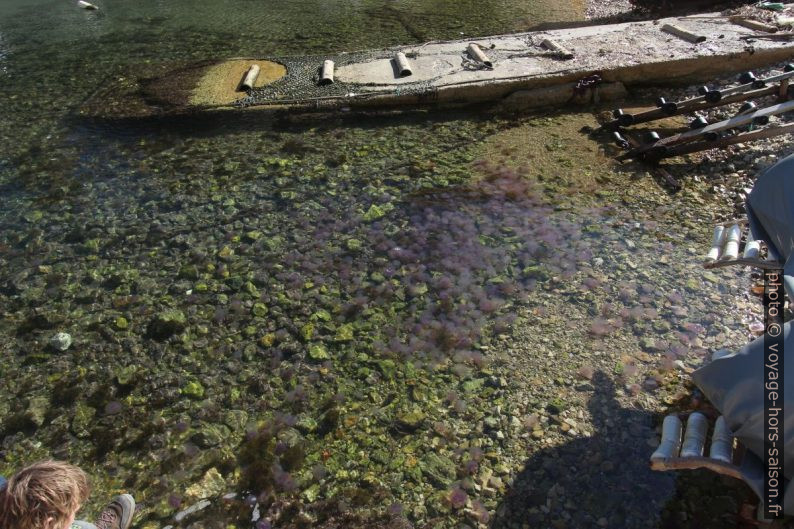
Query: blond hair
[[44, 495]]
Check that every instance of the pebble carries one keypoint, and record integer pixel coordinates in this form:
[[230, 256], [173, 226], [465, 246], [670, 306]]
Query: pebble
[[196, 507], [61, 341]]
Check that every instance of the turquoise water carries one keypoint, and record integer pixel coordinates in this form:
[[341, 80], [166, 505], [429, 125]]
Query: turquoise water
[[359, 322]]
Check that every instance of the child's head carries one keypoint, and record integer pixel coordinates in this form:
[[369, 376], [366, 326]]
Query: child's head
[[45, 495]]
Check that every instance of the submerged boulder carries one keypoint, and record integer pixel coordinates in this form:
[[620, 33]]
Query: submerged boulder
[[166, 324]]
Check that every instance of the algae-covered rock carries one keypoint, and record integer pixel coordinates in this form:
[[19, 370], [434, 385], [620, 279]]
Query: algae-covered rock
[[190, 272], [439, 470], [82, 419], [319, 353], [193, 389], [37, 409], [166, 324], [307, 331], [306, 424], [375, 212], [211, 434], [268, 339], [322, 315], [311, 494], [225, 253], [252, 236], [211, 485], [344, 333], [126, 374], [387, 367], [236, 420], [472, 386], [410, 419], [556, 405]]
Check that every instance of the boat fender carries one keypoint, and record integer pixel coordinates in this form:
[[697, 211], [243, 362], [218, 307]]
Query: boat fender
[[671, 438], [477, 54], [760, 121], [752, 247], [668, 107], [747, 78], [716, 244], [555, 46], [681, 33], [747, 108], [86, 5], [721, 442], [694, 435], [623, 119], [250, 78], [403, 66], [619, 140], [327, 73], [652, 137], [732, 239], [713, 96]]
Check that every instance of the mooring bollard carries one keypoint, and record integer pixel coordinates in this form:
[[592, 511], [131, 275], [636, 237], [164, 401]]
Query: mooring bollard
[[477, 54], [403, 66], [681, 33], [553, 45], [86, 5], [327, 73], [250, 77]]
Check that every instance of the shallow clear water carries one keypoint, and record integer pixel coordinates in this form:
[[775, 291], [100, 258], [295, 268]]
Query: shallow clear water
[[349, 322]]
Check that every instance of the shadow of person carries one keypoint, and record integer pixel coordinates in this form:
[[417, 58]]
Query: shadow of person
[[604, 480]]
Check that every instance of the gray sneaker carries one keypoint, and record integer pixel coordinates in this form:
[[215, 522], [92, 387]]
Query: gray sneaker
[[118, 513]]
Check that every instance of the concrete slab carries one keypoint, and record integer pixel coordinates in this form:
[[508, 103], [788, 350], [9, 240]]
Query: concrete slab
[[444, 74], [628, 53]]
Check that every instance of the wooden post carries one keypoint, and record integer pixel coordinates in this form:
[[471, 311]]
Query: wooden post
[[681, 33]]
